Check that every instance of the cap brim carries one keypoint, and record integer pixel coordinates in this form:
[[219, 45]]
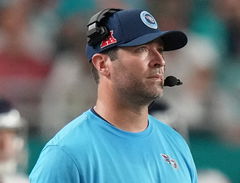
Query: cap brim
[[172, 40]]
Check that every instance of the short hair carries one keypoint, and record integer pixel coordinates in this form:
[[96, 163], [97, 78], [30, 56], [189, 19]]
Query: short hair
[[112, 53]]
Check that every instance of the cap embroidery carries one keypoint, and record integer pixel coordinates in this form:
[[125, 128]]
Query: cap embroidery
[[148, 20], [110, 40]]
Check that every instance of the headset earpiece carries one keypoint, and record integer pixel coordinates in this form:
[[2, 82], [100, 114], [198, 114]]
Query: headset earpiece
[[97, 31]]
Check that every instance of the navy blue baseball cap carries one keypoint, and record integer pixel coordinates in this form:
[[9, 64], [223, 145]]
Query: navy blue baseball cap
[[135, 27]]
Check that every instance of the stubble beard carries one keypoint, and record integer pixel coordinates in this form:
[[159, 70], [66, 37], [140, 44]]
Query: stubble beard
[[139, 94]]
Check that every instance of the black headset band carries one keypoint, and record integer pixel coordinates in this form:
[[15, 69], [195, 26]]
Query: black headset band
[[96, 31]]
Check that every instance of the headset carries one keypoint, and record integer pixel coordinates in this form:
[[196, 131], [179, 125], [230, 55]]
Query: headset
[[97, 31]]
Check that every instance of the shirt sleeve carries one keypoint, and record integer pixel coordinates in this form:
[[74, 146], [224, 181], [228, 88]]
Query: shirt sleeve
[[192, 167], [54, 166]]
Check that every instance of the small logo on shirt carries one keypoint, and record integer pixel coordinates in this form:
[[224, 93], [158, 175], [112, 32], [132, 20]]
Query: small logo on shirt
[[170, 160]]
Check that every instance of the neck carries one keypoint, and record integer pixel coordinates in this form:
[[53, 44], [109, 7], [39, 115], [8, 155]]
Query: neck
[[121, 113]]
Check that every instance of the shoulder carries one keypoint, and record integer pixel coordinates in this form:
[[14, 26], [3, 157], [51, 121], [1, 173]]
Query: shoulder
[[76, 133], [55, 165], [80, 123], [168, 133], [165, 128], [60, 153]]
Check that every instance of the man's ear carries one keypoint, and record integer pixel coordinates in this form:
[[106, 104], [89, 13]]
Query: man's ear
[[100, 63]]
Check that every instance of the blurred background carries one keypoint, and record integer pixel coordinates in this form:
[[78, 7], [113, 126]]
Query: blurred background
[[45, 76]]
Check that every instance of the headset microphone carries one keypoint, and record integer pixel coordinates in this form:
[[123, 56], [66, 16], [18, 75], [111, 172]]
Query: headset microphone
[[172, 81]]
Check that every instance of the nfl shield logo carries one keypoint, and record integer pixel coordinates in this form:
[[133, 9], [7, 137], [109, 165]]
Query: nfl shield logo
[[110, 40]]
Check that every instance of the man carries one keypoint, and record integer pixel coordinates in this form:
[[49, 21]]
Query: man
[[117, 141], [12, 151]]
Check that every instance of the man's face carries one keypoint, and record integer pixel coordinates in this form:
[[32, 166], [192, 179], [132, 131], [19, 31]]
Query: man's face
[[138, 72]]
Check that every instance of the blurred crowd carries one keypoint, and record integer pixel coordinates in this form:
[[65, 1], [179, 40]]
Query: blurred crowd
[[44, 73]]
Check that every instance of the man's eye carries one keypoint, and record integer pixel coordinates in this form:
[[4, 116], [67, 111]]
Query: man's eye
[[160, 50], [141, 49]]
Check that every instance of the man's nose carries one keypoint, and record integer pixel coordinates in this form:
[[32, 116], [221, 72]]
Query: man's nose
[[156, 59]]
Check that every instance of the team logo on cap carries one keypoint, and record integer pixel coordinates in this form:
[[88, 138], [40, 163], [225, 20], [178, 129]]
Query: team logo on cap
[[148, 20], [110, 40]]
